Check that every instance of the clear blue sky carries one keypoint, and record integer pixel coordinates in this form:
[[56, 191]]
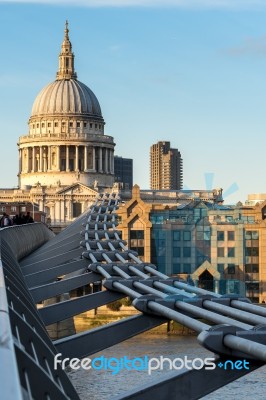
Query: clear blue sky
[[194, 75]]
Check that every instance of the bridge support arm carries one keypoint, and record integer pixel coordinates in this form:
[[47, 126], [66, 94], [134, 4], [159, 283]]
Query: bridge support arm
[[90, 342], [234, 342], [192, 385]]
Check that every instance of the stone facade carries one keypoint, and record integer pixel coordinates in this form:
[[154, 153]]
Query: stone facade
[[61, 204]]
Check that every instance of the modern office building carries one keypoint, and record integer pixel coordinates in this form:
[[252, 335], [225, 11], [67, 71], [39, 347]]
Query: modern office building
[[194, 236], [123, 170], [66, 158], [166, 167]]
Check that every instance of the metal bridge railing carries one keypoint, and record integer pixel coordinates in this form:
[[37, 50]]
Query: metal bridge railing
[[154, 292], [91, 250], [10, 384], [26, 351]]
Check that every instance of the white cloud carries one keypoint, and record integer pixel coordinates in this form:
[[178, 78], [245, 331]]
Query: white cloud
[[250, 46], [208, 4]]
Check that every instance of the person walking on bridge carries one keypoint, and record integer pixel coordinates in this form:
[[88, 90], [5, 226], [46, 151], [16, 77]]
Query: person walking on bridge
[[28, 219], [5, 221]]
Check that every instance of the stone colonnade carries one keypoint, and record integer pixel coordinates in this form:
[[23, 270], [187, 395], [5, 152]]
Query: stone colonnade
[[83, 158]]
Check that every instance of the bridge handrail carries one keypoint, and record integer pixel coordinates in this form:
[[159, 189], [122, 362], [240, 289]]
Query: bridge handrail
[[10, 384], [26, 351], [121, 268], [24, 239]]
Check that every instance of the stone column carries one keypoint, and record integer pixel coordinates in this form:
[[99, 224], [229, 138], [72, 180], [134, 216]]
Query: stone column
[[93, 159], [24, 159], [105, 161], [20, 161], [69, 210], [41, 208], [33, 160], [62, 210], [100, 159], [41, 160], [49, 158], [58, 157], [110, 161], [62, 205], [77, 159], [58, 211], [28, 160], [67, 158], [44, 162], [85, 158]]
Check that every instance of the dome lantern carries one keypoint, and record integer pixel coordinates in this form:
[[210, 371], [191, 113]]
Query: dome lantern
[[66, 59]]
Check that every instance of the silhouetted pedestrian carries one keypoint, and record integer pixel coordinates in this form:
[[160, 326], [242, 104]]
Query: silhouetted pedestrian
[[6, 221], [28, 219]]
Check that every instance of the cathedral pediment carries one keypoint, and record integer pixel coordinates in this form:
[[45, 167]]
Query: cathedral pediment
[[78, 188]]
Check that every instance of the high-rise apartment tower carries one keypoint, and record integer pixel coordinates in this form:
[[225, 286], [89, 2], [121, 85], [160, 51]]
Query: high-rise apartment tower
[[166, 167]]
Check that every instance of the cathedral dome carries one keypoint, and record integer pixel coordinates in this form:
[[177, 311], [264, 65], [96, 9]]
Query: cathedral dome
[[66, 96], [66, 143]]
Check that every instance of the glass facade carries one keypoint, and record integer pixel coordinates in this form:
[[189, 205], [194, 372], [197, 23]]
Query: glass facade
[[217, 246], [182, 240], [123, 169], [252, 264], [137, 241]]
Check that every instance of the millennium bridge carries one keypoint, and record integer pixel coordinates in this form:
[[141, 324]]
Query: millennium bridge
[[37, 266]]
